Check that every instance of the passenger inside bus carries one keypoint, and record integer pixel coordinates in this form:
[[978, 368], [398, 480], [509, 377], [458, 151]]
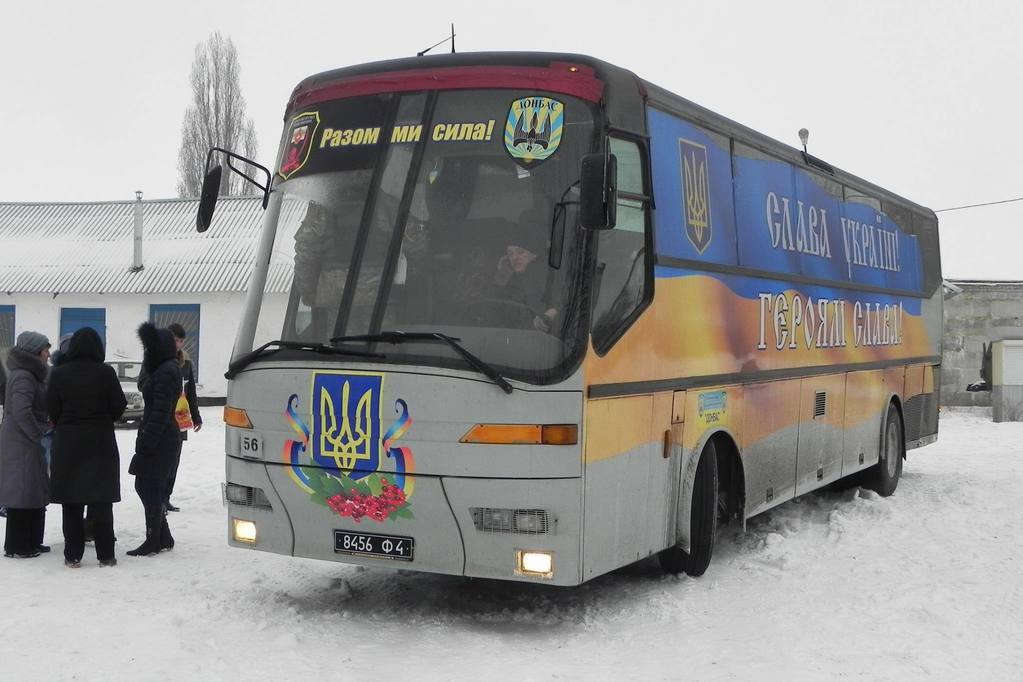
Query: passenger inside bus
[[518, 279], [324, 244], [494, 271]]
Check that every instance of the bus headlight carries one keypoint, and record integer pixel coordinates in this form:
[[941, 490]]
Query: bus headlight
[[534, 563], [244, 531], [493, 520], [246, 495]]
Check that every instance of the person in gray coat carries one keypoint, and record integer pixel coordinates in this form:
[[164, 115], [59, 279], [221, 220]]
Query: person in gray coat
[[24, 482]]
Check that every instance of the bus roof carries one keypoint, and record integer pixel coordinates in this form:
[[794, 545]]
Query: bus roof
[[668, 101], [623, 96]]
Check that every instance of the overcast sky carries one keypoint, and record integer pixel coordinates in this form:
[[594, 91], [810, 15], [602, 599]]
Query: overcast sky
[[920, 97]]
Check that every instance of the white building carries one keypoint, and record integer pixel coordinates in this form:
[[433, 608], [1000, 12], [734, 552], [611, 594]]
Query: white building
[[113, 265]]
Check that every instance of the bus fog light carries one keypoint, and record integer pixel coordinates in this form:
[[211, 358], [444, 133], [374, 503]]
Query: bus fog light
[[244, 531], [540, 564]]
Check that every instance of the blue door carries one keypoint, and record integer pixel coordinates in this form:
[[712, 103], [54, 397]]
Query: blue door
[[185, 314], [73, 319]]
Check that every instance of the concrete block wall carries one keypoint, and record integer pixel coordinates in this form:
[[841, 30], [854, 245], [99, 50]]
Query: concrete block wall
[[969, 317]]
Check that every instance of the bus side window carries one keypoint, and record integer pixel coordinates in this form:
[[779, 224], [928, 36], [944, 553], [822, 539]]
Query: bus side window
[[622, 284]]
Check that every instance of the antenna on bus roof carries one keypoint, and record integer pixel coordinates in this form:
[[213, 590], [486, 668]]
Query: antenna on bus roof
[[451, 38], [804, 135]]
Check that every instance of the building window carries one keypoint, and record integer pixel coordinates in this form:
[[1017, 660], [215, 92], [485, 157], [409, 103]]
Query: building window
[[185, 314], [73, 319]]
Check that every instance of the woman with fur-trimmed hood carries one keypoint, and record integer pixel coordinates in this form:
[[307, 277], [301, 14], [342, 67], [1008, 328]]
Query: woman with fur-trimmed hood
[[24, 481], [158, 441]]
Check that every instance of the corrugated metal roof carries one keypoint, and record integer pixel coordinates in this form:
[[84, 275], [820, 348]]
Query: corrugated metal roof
[[88, 248]]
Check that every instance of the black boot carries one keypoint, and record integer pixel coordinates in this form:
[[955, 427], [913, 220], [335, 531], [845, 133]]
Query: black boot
[[151, 547], [166, 539]]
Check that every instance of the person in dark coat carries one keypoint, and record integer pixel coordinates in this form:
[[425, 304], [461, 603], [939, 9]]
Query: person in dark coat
[[84, 399], [3, 387], [24, 481], [188, 387], [58, 356], [3, 384], [159, 440]]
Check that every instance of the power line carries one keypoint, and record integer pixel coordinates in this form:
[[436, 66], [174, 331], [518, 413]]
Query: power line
[[988, 203]]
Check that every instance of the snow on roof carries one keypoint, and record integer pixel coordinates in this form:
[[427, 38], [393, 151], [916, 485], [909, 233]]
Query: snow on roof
[[88, 248], [986, 282]]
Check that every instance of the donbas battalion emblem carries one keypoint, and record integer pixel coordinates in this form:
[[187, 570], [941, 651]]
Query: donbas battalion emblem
[[533, 130]]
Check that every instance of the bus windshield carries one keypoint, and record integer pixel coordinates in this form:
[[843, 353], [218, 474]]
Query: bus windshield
[[450, 212]]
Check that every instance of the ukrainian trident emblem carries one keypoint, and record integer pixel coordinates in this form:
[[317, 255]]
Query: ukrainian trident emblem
[[696, 193], [346, 422], [345, 445]]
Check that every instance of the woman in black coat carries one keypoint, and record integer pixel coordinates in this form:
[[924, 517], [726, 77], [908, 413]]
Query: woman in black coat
[[159, 440], [84, 399]]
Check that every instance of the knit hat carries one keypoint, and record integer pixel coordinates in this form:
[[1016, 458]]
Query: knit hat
[[32, 342]]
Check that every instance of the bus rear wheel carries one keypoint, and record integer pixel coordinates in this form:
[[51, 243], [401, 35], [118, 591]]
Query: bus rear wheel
[[703, 521], [883, 478]]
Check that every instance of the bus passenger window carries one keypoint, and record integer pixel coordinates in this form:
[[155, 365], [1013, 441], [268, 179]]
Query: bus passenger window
[[621, 274]]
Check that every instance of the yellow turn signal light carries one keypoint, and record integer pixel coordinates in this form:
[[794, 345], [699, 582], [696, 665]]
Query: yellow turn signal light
[[236, 416], [522, 434]]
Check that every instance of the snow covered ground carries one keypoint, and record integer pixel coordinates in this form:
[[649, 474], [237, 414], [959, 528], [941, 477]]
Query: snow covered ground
[[927, 583]]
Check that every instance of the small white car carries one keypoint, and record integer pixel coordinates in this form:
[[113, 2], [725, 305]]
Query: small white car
[[128, 374]]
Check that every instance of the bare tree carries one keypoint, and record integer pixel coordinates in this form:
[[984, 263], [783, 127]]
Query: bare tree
[[216, 117]]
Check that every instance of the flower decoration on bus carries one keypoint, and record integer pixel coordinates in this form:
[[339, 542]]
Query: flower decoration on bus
[[533, 130], [300, 142], [338, 462], [696, 194]]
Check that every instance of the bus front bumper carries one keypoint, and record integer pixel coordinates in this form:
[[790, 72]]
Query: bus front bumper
[[509, 529]]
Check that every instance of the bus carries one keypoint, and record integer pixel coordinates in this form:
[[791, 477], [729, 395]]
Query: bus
[[526, 316]]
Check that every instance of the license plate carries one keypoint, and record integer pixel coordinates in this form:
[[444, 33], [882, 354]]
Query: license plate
[[394, 547]]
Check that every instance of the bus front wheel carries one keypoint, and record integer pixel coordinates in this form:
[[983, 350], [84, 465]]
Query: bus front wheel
[[703, 521], [883, 477]]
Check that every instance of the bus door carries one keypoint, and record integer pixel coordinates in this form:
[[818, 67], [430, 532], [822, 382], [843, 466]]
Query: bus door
[[630, 485]]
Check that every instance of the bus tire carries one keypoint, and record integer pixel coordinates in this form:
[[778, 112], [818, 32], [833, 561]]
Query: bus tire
[[883, 478], [703, 521]]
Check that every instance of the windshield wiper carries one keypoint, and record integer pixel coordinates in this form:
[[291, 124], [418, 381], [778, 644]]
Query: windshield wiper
[[277, 346], [397, 337]]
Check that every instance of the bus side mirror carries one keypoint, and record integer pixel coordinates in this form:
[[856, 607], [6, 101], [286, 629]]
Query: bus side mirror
[[598, 192], [208, 200]]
